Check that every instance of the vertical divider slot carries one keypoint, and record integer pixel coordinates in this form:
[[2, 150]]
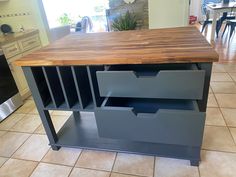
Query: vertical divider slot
[[54, 86], [42, 85], [68, 87], [81, 80], [94, 84]]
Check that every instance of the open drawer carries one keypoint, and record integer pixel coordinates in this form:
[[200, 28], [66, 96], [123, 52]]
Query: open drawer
[[151, 120], [172, 81]]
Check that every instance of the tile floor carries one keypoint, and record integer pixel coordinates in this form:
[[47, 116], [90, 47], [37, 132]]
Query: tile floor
[[24, 149]]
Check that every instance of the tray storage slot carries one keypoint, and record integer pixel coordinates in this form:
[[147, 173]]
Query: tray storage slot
[[54, 86], [42, 85], [68, 87], [151, 120], [175, 81], [82, 86]]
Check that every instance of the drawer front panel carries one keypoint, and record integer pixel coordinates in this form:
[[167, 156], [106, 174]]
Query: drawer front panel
[[11, 50], [30, 43], [166, 126], [166, 84]]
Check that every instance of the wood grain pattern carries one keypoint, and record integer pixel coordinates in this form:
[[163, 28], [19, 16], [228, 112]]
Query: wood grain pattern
[[173, 45]]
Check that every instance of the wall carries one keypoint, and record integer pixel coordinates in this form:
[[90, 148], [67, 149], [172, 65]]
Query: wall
[[195, 8], [168, 13], [32, 19]]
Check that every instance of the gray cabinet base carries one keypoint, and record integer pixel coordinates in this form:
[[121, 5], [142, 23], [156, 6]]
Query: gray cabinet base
[[81, 132]]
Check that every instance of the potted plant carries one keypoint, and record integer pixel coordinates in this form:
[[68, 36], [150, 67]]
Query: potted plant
[[125, 22]]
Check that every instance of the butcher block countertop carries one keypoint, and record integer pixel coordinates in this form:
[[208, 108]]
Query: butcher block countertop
[[173, 45]]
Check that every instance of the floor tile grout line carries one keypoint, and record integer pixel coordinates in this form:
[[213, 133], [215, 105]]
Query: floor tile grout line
[[11, 157], [21, 145], [129, 174], [226, 123], [78, 158], [154, 166], [227, 126], [113, 164], [34, 169]]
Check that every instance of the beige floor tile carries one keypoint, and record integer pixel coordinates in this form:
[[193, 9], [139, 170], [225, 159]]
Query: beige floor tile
[[79, 172], [11, 121], [65, 156], [50, 170], [58, 122], [230, 116], [233, 75], [121, 175], [218, 68], [27, 124], [217, 164], [28, 106], [212, 101], [214, 117], [99, 160], [17, 168], [223, 87], [233, 132], [166, 167], [2, 160], [218, 138], [61, 113], [2, 133], [220, 77], [33, 149], [226, 100], [230, 67], [134, 164], [34, 111], [10, 142]]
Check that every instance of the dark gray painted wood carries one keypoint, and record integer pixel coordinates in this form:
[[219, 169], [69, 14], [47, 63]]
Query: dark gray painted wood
[[152, 83], [41, 84], [44, 114], [68, 86], [88, 138], [207, 67], [80, 76], [97, 99], [54, 86], [181, 126]]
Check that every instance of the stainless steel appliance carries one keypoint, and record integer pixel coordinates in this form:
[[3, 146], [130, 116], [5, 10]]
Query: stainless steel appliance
[[10, 98]]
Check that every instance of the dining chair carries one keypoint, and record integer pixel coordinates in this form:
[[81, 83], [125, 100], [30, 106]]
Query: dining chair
[[231, 23], [220, 21], [208, 20]]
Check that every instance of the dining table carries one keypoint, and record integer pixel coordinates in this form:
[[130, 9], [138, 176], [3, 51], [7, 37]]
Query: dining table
[[216, 9]]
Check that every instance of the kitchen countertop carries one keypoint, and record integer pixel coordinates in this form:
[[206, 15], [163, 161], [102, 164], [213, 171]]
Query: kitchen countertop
[[172, 45], [4, 39]]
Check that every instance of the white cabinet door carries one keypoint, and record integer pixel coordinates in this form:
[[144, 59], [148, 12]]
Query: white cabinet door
[[19, 77]]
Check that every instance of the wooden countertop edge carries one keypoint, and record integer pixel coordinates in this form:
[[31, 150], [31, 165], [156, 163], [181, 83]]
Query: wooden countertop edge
[[107, 62]]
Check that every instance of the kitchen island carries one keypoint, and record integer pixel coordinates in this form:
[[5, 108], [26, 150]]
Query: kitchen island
[[148, 90]]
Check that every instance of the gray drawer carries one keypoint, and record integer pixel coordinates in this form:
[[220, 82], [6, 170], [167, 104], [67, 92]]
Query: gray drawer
[[150, 120], [175, 81]]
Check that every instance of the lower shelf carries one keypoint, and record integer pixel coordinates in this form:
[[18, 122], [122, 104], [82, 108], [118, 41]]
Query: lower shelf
[[81, 132]]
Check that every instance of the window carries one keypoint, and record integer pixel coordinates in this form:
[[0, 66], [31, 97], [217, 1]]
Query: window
[[70, 12]]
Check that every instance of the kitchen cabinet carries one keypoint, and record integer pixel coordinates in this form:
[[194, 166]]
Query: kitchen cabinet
[[16, 48], [133, 82], [19, 77]]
